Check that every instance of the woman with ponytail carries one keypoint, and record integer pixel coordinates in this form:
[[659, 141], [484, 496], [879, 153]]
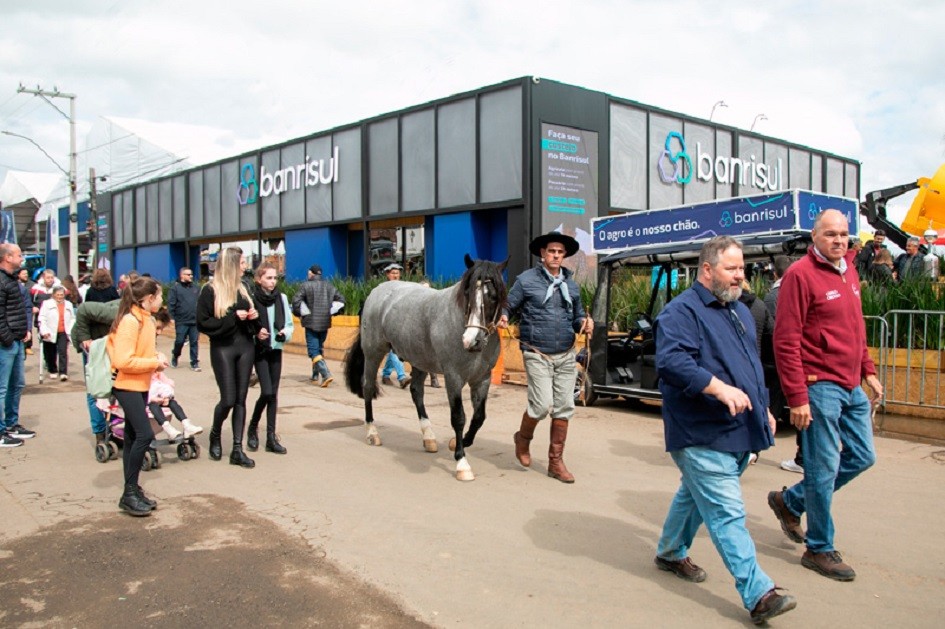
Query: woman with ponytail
[[275, 319], [131, 348], [225, 313]]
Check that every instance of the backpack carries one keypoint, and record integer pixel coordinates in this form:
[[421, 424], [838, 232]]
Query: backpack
[[99, 376]]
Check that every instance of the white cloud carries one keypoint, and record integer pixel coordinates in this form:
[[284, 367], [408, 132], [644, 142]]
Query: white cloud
[[857, 78]]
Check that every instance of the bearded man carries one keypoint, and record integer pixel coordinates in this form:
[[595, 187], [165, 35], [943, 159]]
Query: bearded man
[[715, 414]]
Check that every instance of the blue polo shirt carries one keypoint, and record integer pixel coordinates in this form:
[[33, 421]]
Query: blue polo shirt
[[698, 337]]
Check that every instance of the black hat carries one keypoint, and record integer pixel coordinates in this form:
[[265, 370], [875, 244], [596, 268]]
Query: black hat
[[571, 246], [315, 269]]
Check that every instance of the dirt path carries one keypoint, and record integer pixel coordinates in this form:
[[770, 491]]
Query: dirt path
[[197, 561]]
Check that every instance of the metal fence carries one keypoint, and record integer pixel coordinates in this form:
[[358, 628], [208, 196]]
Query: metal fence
[[911, 361]]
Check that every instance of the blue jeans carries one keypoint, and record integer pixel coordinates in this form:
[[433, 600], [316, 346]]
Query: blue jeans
[[841, 418], [315, 343], [711, 492], [393, 363], [12, 383], [186, 332], [96, 417]]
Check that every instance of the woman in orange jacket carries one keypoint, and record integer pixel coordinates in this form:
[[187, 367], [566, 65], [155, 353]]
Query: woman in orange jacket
[[131, 348]]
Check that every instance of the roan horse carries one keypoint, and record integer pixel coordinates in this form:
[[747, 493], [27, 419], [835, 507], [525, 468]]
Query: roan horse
[[449, 331]]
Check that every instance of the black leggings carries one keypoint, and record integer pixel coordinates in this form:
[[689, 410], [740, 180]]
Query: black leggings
[[157, 411], [138, 433], [269, 371], [232, 365]]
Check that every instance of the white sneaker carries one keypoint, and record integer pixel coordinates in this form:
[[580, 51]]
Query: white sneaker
[[752, 458], [790, 466], [172, 433], [190, 429]]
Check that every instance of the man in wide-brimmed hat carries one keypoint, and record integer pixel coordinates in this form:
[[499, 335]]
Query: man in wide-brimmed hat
[[548, 302]]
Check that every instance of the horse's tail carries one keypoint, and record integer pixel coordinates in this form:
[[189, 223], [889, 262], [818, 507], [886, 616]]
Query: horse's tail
[[354, 367]]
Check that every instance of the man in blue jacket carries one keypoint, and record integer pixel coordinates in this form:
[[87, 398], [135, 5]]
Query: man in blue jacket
[[715, 414], [182, 306], [549, 305]]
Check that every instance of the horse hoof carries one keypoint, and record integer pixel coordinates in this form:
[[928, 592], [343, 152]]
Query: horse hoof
[[374, 440], [430, 445], [453, 444], [465, 475]]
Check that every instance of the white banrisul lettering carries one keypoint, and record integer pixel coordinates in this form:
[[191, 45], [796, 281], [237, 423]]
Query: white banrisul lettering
[[308, 174], [745, 172]]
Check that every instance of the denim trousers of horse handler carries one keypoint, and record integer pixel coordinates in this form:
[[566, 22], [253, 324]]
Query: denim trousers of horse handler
[[393, 363], [711, 492], [12, 383], [551, 380], [186, 332], [96, 417], [315, 344], [841, 418]]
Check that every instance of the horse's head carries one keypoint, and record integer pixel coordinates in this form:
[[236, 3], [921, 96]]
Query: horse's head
[[481, 297]]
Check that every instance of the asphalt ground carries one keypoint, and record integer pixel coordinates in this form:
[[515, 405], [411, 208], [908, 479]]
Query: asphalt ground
[[340, 533]]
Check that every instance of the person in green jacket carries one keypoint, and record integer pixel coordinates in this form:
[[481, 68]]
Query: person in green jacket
[[93, 320]]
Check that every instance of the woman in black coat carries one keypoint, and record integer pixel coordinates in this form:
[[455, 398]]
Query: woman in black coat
[[225, 313]]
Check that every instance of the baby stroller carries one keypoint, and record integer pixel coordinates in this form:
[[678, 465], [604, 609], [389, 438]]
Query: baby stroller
[[187, 448]]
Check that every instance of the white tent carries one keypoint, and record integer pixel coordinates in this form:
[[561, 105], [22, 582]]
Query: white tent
[[19, 186], [126, 151]]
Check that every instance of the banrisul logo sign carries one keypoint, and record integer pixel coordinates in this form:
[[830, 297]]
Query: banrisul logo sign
[[306, 175], [674, 164], [675, 167]]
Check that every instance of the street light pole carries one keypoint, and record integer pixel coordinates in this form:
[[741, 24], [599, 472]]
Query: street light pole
[[720, 103], [73, 204]]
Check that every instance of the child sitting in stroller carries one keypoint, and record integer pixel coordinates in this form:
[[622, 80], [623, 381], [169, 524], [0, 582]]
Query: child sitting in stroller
[[161, 399]]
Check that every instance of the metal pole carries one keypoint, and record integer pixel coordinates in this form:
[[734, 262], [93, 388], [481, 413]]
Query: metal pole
[[73, 210]]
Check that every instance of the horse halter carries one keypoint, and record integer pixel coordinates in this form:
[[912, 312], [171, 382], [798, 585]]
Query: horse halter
[[480, 290]]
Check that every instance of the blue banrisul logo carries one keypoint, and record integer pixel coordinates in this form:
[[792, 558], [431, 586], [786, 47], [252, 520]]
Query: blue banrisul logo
[[248, 191], [312, 172], [674, 166]]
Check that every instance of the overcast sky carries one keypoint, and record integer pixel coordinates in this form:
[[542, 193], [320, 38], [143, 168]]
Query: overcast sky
[[863, 79]]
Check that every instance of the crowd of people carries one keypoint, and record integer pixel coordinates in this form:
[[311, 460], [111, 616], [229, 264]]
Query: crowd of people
[[875, 264], [717, 346]]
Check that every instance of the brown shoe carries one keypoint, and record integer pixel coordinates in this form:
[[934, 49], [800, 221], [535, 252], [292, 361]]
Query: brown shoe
[[556, 467], [790, 523], [830, 564], [523, 439], [684, 569], [405, 382], [772, 604]]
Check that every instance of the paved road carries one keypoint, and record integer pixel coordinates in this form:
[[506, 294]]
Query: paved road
[[395, 538]]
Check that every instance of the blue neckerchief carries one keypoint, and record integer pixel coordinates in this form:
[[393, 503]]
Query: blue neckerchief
[[555, 283]]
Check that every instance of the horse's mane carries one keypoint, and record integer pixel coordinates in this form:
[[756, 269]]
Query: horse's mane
[[484, 270]]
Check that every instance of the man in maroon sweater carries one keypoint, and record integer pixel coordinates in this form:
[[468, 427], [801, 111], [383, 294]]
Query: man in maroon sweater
[[820, 351]]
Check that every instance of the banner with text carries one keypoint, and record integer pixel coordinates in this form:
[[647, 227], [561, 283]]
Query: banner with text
[[741, 216]]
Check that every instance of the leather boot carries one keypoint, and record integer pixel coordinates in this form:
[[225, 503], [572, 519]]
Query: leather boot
[[556, 467], [132, 504], [238, 457], [273, 445], [523, 438], [145, 499], [216, 448], [252, 435]]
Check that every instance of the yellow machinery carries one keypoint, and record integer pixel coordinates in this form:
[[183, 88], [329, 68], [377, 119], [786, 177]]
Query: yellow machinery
[[927, 211]]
